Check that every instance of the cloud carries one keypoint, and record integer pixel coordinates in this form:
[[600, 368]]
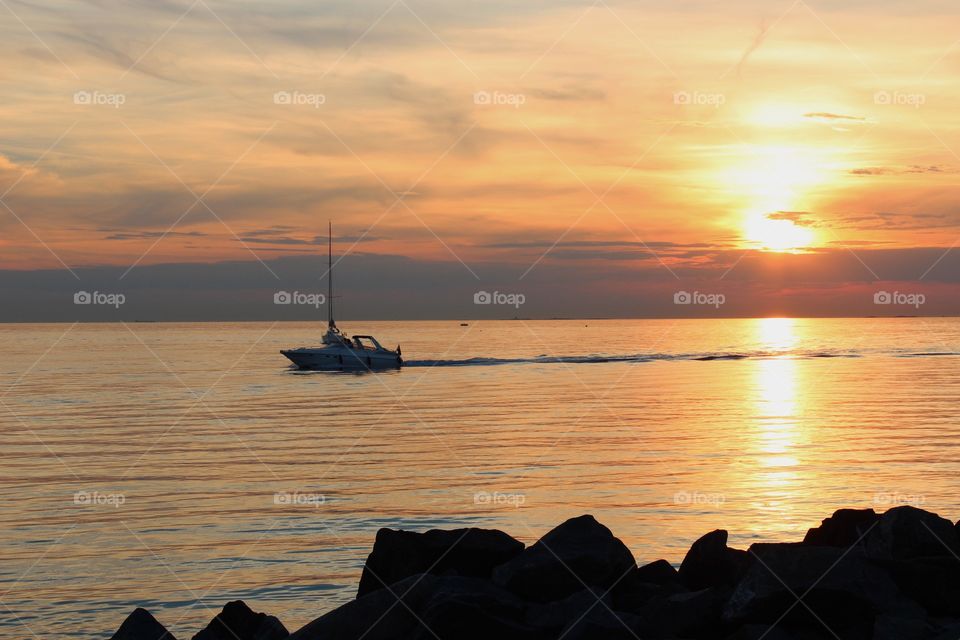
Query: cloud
[[799, 218], [753, 46], [143, 235], [824, 115], [570, 93], [913, 168], [386, 286]]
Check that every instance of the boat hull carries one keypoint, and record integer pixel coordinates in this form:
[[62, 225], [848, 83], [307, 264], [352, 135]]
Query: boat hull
[[337, 360]]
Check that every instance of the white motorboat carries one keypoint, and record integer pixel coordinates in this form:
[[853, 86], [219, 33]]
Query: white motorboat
[[340, 352]]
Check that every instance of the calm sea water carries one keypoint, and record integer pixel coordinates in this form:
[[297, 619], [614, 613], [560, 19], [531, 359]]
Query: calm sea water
[[179, 466]]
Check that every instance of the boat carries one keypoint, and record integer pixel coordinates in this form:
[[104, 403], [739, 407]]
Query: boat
[[339, 351]]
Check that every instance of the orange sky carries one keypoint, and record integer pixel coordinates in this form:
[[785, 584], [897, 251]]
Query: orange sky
[[474, 132]]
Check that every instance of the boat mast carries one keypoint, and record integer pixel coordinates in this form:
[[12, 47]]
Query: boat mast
[[330, 322]]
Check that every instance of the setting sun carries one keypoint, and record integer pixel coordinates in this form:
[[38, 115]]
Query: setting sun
[[775, 234]]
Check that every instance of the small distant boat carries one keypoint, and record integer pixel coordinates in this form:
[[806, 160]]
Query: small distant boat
[[340, 352]]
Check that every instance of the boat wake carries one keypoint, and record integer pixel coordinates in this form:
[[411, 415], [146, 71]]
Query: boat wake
[[638, 357]]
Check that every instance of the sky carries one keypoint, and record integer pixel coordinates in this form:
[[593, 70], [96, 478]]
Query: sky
[[570, 159]]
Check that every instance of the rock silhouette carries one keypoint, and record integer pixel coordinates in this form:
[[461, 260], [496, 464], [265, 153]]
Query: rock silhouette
[[238, 622], [859, 575]]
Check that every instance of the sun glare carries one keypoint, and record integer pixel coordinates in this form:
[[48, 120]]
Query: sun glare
[[775, 234], [772, 179]]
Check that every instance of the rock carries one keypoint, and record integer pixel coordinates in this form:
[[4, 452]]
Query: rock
[[948, 630], [464, 552], [141, 625], [473, 615], [657, 572], [602, 623], [579, 553], [893, 626], [841, 591], [776, 632], [461, 607], [710, 562], [553, 617], [932, 582], [907, 532], [688, 614], [238, 622], [843, 528], [657, 579]]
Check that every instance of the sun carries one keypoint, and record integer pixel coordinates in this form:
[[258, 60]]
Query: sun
[[777, 234], [775, 178]]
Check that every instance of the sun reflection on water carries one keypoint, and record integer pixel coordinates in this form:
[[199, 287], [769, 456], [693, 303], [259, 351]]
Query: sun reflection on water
[[776, 408]]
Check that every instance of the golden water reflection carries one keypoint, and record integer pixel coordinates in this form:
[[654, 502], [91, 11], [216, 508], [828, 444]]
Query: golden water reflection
[[776, 408]]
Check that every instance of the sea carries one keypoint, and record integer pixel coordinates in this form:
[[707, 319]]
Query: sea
[[180, 466]]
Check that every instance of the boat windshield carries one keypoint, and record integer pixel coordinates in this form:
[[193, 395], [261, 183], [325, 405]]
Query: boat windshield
[[372, 346]]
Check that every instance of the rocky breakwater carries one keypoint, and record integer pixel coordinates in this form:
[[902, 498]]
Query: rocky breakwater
[[858, 576]]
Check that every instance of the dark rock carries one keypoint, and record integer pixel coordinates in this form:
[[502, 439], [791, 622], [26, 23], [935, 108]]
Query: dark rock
[[473, 615], [657, 579], [776, 632], [238, 622], [603, 623], [688, 614], [907, 532], [579, 553], [945, 630], [841, 590], [657, 572], [932, 582], [463, 552], [899, 626], [459, 607], [553, 617], [710, 562], [843, 528], [141, 625]]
